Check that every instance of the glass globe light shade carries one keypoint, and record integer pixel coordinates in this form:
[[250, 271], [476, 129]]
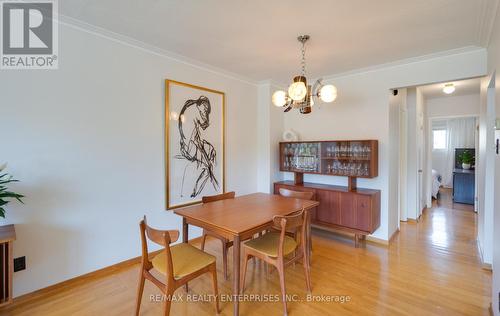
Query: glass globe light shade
[[297, 91], [279, 98], [328, 93], [449, 88]]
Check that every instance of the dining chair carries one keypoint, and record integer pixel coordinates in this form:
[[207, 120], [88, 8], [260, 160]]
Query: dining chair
[[296, 194], [179, 264], [226, 244], [275, 248], [304, 196]]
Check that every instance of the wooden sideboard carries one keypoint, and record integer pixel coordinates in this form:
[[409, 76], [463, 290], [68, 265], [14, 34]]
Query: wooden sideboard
[[354, 211]]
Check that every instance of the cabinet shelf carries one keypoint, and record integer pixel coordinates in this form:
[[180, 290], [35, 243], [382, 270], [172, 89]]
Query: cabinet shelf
[[348, 158]]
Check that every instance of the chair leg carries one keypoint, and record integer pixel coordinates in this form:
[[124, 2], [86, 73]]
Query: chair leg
[[281, 272], [224, 260], [140, 290], [309, 245], [168, 302], [203, 239], [307, 270], [244, 272], [213, 269]]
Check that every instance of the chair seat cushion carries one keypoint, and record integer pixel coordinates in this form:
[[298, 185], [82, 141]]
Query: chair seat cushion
[[268, 244], [185, 258]]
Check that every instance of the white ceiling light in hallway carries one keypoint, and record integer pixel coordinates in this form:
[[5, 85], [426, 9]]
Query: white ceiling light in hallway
[[301, 95], [449, 88]]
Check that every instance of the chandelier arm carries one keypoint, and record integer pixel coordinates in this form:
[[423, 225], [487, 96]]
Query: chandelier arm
[[316, 87]]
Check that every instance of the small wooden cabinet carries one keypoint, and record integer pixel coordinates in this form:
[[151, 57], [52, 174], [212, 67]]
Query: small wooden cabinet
[[463, 186], [355, 211], [7, 237]]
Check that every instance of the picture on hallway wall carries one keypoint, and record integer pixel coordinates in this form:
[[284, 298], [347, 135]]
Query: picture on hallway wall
[[194, 143]]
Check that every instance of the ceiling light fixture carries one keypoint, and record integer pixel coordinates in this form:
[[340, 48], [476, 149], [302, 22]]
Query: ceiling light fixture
[[300, 95], [449, 88]]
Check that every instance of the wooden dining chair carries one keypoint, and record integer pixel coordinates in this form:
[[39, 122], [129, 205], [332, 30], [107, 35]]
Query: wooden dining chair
[[226, 244], [275, 248], [304, 196], [179, 264], [296, 194]]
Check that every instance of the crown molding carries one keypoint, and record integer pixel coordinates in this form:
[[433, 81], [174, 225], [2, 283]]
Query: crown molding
[[403, 62], [272, 82], [486, 21], [132, 42]]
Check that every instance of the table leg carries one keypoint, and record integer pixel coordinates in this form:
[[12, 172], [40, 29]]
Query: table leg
[[236, 275], [184, 230], [185, 239], [309, 238]]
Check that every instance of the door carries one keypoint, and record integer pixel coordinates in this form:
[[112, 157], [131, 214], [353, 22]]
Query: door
[[347, 210], [420, 163], [363, 212], [328, 209]]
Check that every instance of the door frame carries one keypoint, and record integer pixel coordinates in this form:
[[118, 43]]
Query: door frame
[[428, 180]]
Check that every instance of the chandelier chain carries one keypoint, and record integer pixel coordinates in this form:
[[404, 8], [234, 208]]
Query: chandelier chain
[[303, 62]]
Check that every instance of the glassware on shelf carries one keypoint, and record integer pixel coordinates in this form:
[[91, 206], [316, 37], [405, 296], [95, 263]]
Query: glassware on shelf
[[344, 158]]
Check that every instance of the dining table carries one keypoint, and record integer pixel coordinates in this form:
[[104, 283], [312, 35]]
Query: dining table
[[239, 219]]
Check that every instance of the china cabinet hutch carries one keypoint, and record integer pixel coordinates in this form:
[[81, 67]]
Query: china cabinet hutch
[[347, 208]]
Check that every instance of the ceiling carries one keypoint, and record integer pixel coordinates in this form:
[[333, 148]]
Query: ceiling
[[463, 87], [257, 39]]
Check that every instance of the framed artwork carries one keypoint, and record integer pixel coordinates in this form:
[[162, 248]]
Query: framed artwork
[[194, 143]]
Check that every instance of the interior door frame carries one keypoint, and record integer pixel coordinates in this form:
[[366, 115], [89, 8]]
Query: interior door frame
[[429, 154]]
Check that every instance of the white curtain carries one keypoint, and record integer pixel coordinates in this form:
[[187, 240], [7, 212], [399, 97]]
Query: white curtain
[[461, 133]]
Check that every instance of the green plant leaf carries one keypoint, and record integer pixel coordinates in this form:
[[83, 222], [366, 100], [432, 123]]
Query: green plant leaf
[[2, 212], [8, 181], [13, 195]]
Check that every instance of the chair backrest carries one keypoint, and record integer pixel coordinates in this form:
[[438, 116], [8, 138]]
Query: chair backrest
[[160, 237], [291, 222], [218, 197], [296, 194]]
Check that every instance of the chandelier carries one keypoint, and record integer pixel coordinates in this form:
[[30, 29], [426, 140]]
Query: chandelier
[[300, 95]]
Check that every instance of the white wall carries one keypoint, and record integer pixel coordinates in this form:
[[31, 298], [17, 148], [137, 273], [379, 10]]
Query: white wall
[[270, 131], [485, 169], [460, 105], [87, 143], [494, 70], [362, 112], [397, 103]]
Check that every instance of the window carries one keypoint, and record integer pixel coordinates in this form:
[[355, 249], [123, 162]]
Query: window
[[439, 139]]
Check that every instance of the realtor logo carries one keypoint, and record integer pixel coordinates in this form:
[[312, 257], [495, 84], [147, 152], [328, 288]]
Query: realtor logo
[[29, 34]]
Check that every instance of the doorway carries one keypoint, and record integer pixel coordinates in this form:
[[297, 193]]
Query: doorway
[[441, 143]]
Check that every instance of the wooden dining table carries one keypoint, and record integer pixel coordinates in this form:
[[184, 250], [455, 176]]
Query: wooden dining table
[[239, 219]]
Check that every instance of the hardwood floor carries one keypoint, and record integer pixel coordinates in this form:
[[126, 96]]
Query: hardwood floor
[[431, 268]]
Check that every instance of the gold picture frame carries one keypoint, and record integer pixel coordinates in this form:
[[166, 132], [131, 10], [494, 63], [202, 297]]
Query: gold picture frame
[[181, 152]]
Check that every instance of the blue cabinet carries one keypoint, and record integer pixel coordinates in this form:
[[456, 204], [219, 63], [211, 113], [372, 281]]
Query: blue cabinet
[[463, 186]]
